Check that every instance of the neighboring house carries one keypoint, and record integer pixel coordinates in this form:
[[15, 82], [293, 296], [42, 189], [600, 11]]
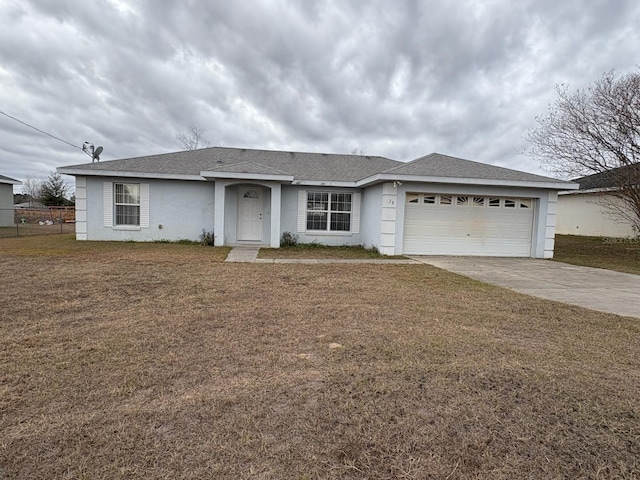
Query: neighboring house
[[30, 204], [6, 200], [433, 205], [584, 211]]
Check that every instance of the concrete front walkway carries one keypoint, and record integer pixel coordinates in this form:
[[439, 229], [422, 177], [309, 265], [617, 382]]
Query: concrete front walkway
[[594, 288], [243, 253]]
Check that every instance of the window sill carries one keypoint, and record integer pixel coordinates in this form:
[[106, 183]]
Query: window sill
[[127, 227], [330, 234]]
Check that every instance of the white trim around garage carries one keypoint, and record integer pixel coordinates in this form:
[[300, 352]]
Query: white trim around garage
[[477, 225]]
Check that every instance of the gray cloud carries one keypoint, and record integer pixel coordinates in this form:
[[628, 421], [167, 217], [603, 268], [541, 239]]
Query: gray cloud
[[398, 79]]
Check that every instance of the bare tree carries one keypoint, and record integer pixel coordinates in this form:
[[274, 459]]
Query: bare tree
[[356, 151], [32, 187], [193, 138], [596, 130]]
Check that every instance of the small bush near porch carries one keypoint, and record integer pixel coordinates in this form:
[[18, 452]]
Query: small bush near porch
[[128, 360], [320, 251]]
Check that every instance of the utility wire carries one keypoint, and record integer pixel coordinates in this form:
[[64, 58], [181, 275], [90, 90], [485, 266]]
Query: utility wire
[[37, 129]]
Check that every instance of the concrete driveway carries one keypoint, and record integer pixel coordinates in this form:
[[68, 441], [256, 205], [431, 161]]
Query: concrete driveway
[[603, 290]]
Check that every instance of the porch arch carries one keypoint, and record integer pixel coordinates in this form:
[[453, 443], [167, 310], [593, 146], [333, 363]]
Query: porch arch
[[223, 209]]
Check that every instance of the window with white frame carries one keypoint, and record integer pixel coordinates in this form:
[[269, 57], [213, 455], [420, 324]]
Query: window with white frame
[[446, 199], [127, 204], [468, 200], [329, 211], [413, 198], [462, 201]]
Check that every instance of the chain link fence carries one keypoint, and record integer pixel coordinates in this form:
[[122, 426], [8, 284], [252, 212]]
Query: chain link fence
[[18, 222]]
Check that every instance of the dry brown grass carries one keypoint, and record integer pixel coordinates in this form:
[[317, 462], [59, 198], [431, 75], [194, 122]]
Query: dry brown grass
[[35, 229], [613, 254], [160, 361], [323, 252]]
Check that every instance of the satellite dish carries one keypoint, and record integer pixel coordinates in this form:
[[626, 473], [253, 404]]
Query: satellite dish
[[96, 153]]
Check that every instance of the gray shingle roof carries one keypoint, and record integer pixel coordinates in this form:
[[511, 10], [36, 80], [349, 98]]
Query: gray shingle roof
[[302, 166], [612, 178], [438, 165], [253, 168], [5, 179]]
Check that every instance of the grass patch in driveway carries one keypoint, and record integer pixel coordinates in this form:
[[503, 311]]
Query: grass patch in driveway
[[160, 361], [323, 252], [619, 254]]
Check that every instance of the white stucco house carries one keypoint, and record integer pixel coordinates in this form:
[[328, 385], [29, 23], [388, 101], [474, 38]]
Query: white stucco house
[[433, 205], [584, 211], [6, 200]]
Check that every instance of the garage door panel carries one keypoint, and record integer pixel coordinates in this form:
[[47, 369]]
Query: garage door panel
[[472, 228]]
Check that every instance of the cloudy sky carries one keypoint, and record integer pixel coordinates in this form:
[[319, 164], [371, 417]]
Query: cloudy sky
[[397, 78]]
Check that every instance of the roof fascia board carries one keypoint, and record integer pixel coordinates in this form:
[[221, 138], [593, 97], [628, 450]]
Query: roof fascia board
[[467, 181], [10, 182], [246, 176], [325, 183], [589, 190], [116, 173]]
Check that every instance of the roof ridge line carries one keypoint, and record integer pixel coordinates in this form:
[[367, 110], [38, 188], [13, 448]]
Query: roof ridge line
[[261, 165]]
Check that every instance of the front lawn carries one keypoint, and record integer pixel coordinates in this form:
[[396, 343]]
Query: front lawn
[[158, 361], [28, 229], [618, 254]]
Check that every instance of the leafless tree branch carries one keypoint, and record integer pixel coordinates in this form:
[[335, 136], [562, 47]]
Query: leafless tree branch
[[193, 138], [596, 130]]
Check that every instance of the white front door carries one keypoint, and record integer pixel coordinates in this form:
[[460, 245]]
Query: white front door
[[250, 214]]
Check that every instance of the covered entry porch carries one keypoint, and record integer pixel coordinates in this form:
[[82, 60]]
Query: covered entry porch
[[247, 212]]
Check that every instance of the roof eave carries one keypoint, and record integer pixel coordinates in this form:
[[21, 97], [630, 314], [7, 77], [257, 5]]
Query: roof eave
[[246, 176], [6, 181], [560, 185], [589, 190], [325, 183], [118, 173]]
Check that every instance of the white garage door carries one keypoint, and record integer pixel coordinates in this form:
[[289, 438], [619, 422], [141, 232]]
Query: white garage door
[[437, 224]]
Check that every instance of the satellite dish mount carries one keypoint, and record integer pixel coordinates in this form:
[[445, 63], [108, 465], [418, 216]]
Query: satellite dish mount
[[94, 153]]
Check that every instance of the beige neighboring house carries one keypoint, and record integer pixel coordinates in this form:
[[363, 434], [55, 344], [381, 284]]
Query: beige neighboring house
[[6, 200], [584, 211]]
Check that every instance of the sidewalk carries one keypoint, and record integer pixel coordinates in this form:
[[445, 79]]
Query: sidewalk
[[243, 254], [594, 288], [249, 254]]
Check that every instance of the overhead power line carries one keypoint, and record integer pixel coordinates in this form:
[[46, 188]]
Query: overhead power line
[[41, 131], [86, 147]]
